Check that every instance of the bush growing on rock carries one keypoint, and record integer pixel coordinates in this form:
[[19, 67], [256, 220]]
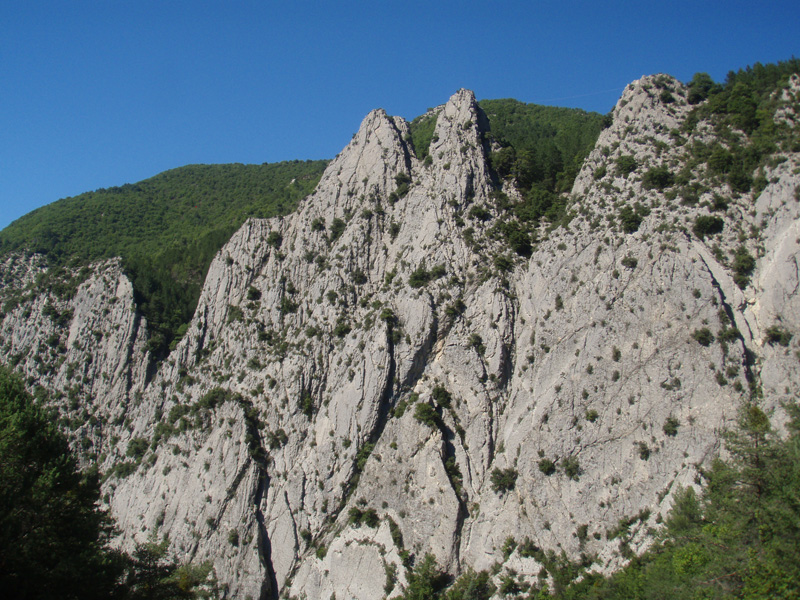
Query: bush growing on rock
[[547, 466], [703, 336], [658, 178], [671, 426], [503, 480], [743, 265], [426, 414], [571, 466], [707, 225], [626, 164], [778, 335]]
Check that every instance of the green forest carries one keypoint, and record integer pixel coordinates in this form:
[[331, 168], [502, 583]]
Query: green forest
[[541, 146], [540, 149], [166, 229]]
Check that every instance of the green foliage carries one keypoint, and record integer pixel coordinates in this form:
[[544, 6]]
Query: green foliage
[[277, 439], [571, 466], [274, 239], [307, 405], [403, 181], [363, 455], [54, 540], [643, 450], [541, 150], [631, 217], [671, 426], [703, 336], [746, 102], [183, 417], [441, 396], [547, 466], [166, 229], [369, 517], [336, 229], [626, 164], [476, 341], [137, 447], [741, 101], [152, 575], [421, 130], [455, 309], [503, 480], [421, 276], [387, 316], [775, 334], [542, 145], [342, 327], [426, 581], [743, 265], [700, 87], [235, 313], [396, 533], [479, 213], [233, 538], [707, 225], [666, 97], [503, 263], [472, 586], [658, 178], [427, 415]]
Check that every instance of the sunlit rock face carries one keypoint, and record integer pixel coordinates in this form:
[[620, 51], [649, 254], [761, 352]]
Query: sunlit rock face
[[377, 377]]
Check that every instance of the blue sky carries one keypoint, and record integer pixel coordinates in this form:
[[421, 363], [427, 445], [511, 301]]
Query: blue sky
[[101, 93]]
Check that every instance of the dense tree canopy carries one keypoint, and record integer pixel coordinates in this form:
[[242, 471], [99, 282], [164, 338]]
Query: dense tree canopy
[[542, 146], [52, 536]]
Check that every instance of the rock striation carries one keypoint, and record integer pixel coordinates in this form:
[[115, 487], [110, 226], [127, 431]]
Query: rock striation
[[376, 377]]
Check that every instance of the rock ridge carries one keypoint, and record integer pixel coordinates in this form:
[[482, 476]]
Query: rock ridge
[[376, 377]]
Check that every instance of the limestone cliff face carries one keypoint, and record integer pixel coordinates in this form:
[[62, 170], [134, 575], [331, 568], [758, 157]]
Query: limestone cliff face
[[287, 438]]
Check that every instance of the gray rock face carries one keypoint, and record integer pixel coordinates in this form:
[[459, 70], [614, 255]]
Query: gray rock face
[[365, 380]]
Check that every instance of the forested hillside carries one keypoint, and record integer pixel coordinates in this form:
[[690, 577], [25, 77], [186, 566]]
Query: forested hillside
[[166, 229]]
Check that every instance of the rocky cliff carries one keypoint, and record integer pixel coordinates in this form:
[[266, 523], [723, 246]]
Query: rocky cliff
[[377, 376]]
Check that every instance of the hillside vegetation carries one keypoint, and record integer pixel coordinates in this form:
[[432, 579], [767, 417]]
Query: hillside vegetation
[[166, 229]]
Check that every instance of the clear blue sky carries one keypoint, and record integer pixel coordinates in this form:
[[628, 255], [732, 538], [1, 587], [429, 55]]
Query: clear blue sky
[[101, 93]]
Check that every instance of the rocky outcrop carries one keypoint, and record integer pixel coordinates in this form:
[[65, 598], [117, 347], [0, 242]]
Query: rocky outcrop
[[377, 377]]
